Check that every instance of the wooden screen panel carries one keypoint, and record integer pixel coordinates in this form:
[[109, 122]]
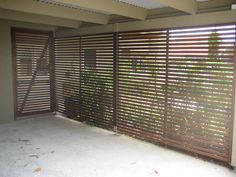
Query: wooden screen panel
[[32, 51], [200, 90], [175, 87], [84, 78], [97, 82], [67, 76], [142, 84]]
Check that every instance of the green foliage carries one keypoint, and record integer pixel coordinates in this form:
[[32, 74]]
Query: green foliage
[[213, 43], [194, 94], [96, 93]]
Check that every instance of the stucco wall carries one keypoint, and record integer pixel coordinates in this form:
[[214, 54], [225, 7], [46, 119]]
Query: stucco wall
[[6, 82], [6, 97]]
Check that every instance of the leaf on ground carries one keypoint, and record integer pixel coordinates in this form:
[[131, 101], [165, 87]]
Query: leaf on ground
[[156, 172], [23, 140], [37, 170], [26, 164], [36, 156]]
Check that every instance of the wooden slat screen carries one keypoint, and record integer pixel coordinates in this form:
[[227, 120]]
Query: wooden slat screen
[[67, 76], [32, 61], [142, 84], [200, 87], [97, 79], [84, 78], [172, 86], [175, 87]]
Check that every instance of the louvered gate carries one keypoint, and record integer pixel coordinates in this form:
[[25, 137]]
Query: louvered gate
[[33, 71]]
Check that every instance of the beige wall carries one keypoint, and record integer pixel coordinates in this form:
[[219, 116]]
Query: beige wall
[[6, 99], [6, 84]]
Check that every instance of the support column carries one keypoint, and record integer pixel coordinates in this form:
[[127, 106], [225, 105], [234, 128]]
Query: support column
[[233, 155]]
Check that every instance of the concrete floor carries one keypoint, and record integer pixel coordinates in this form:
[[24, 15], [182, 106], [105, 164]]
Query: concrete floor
[[56, 147]]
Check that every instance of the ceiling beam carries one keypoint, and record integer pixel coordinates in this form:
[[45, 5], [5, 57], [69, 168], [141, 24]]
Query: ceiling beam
[[40, 19], [221, 17], [189, 6], [48, 9], [110, 6]]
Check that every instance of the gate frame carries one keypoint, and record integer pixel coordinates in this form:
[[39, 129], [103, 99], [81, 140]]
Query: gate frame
[[51, 70]]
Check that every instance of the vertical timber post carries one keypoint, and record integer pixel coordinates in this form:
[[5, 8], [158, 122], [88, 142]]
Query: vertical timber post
[[232, 149], [13, 41], [166, 84], [52, 72], [80, 82], [115, 78]]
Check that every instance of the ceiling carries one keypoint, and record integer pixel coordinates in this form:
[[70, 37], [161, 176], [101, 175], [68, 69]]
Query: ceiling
[[147, 4], [98, 12]]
